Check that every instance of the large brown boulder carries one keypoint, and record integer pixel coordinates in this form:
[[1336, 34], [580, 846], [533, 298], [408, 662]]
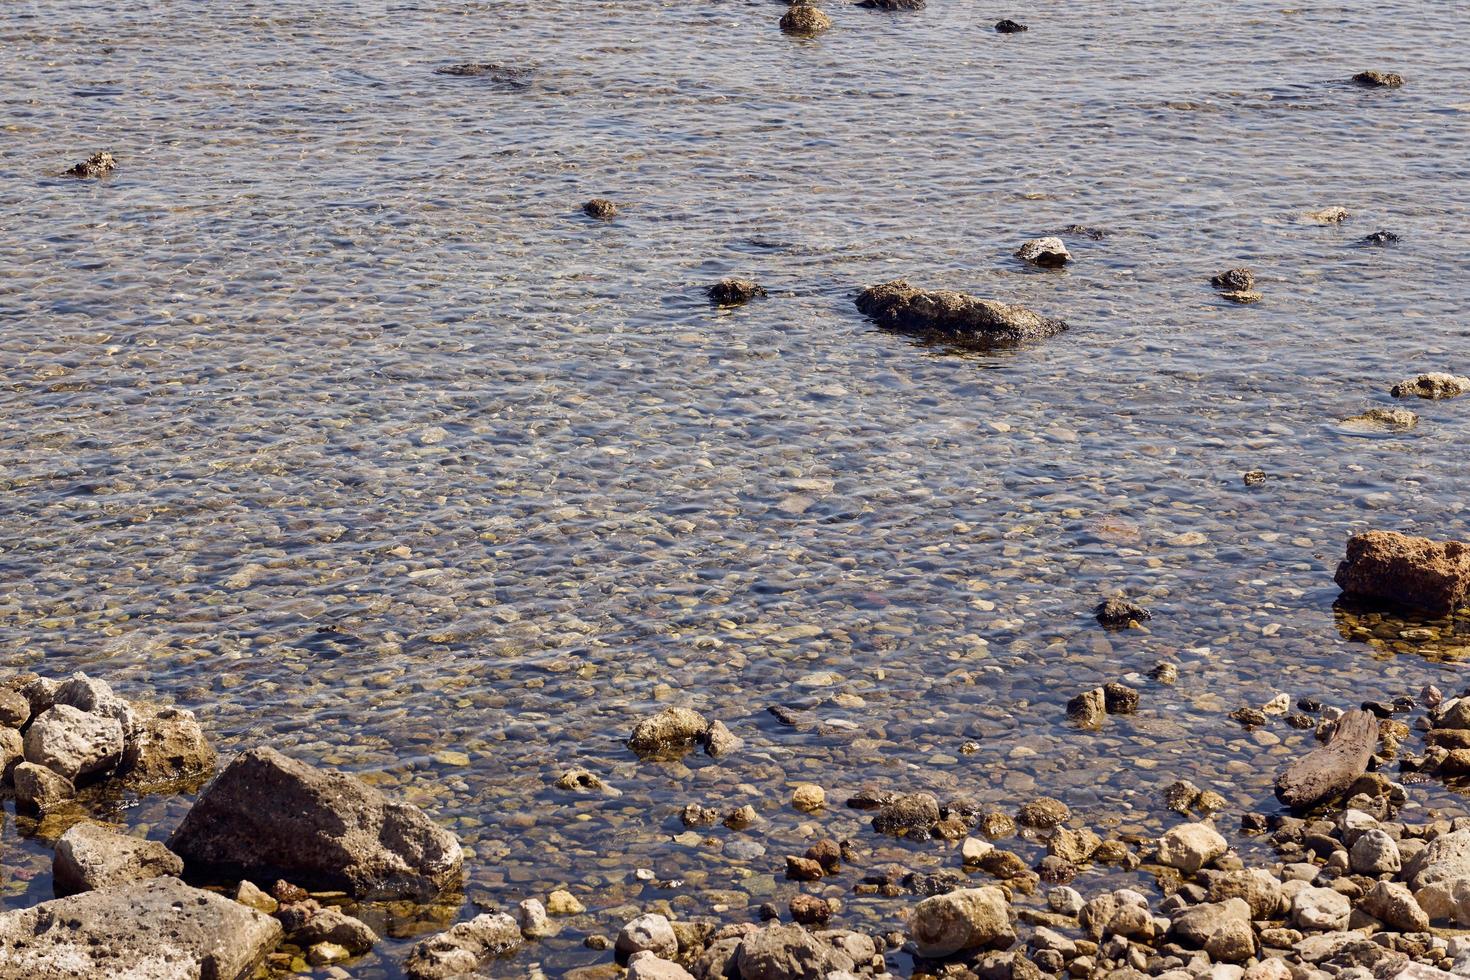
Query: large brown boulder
[[269, 816], [1407, 571], [153, 930], [953, 316]]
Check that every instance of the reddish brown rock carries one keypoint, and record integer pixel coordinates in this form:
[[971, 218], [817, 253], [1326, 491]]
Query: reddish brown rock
[[1402, 570]]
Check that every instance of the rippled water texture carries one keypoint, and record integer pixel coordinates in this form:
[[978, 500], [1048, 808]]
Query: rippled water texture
[[329, 414]]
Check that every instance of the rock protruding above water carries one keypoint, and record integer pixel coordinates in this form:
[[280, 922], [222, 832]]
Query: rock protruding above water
[[1378, 79], [74, 743], [97, 165], [1009, 26], [1049, 253], [1381, 237], [507, 76], [672, 729], [1237, 285], [734, 292], [90, 857], [953, 316], [464, 948], [1407, 571], [600, 208], [1434, 384], [891, 4], [803, 19], [1382, 420], [1329, 771], [968, 918], [268, 815], [1117, 613], [154, 930], [1334, 215]]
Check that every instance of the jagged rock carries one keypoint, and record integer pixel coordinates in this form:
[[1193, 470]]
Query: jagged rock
[[1119, 699], [269, 814], [1073, 846], [1190, 847], [1381, 420], [600, 208], [167, 745], [95, 696], [1049, 253], [1328, 771], [1406, 571], [734, 292], [672, 730], [464, 948], [74, 743], [803, 19], [1393, 904], [955, 316], [1435, 384], [40, 790], [720, 741], [1042, 813], [90, 857], [1117, 612], [154, 930], [1088, 709], [1009, 26], [97, 165], [1378, 79], [970, 918], [915, 812], [1234, 280]]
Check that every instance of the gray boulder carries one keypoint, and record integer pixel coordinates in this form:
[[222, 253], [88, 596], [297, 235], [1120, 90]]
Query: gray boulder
[[74, 743], [271, 816], [40, 790], [786, 953], [154, 930], [90, 857]]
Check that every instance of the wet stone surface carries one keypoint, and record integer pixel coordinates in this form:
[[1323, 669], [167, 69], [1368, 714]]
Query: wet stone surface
[[324, 421]]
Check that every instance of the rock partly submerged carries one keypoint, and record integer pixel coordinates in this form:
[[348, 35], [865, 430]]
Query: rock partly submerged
[[1406, 571], [1331, 770], [97, 165], [804, 19], [1432, 385], [268, 815], [953, 316], [1049, 253], [464, 948], [155, 930]]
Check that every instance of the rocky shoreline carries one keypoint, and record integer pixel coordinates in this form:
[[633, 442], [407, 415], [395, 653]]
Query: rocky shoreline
[[1356, 891]]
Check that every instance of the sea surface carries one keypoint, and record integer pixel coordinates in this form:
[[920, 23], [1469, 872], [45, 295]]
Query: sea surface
[[330, 416]]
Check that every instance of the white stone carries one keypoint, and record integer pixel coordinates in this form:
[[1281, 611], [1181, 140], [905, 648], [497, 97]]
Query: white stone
[[651, 932]]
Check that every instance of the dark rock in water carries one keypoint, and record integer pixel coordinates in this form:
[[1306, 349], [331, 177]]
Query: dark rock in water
[[1406, 571], [804, 20], [891, 4], [810, 910], [870, 799], [1009, 26], [1237, 285], [1120, 699], [916, 813], [1118, 613], [1328, 771], [160, 929], [1086, 231], [97, 165], [269, 815], [1381, 238], [1378, 79], [1089, 708], [600, 207], [669, 733], [733, 292], [1254, 478], [802, 869], [1056, 871], [953, 316], [167, 747], [827, 853], [506, 76]]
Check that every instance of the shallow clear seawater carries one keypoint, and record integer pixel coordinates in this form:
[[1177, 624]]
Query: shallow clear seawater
[[329, 415]]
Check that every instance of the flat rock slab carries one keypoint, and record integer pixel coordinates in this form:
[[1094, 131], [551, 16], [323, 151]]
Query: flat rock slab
[[155, 930], [954, 317], [1328, 771]]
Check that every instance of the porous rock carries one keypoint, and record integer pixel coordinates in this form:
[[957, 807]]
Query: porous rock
[[969, 918], [463, 948], [90, 857], [1405, 570], [160, 929], [953, 316], [74, 743], [804, 20]]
